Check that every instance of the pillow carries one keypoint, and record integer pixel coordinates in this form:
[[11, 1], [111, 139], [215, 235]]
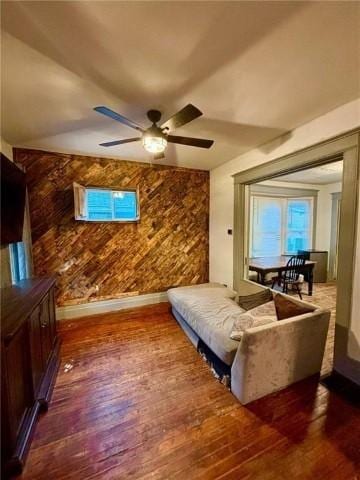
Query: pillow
[[285, 308], [256, 317], [248, 302]]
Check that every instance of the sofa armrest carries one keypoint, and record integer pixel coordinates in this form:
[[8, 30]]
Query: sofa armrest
[[273, 356]]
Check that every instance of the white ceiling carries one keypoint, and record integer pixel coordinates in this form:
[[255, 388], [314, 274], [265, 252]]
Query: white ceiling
[[323, 175], [256, 70]]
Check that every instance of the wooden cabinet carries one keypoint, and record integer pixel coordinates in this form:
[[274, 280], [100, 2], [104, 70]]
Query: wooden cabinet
[[19, 391], [45, 332], [35, 349], [321, 267], [29, 363], [52, 316]]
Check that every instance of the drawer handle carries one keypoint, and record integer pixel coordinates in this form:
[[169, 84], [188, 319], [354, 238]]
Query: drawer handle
[[44, 324]]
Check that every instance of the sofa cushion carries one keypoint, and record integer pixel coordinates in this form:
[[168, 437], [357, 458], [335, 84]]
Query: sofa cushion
[[248, 302], [210, 311], [260, 315], [287, 308]]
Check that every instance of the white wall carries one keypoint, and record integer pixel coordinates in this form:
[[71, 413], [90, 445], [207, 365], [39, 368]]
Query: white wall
[[324, 210], [6, 149], [333, 123]]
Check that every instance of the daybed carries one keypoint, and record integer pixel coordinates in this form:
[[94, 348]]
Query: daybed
[[268, 357]]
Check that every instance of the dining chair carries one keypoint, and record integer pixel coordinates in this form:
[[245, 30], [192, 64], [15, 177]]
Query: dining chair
[[291, 275]]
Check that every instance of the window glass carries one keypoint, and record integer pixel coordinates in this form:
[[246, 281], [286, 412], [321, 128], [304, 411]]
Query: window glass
[[298, 234], [17, 261], [125, 205], [99, 204], [105, 205], [266, 227], [280, 225]]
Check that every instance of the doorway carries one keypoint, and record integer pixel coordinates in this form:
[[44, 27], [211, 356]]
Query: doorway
[[295, 217], [345, 148]]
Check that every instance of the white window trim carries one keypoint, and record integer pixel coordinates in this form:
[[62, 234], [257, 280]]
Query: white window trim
[[284, 219]]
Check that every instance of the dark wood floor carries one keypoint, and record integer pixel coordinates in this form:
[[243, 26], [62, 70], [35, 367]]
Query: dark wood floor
[[133, 400]]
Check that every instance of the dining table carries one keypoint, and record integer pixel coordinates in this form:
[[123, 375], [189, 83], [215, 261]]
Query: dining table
[[264, 265]]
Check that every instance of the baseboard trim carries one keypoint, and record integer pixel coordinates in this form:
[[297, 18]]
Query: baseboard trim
[[104, 306]]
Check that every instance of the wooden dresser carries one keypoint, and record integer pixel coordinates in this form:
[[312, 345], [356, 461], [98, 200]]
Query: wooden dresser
[[29, 363]]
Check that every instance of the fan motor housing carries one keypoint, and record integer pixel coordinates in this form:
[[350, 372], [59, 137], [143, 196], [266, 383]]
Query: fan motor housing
[[154, 131], [154, 116]]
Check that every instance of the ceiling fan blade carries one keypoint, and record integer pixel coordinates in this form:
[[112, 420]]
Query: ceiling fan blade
[[159, 156], [119, 142], [185, 115], [119, 118], [193, 142]]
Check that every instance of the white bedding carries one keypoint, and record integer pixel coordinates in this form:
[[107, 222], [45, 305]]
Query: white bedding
[[209, 309]]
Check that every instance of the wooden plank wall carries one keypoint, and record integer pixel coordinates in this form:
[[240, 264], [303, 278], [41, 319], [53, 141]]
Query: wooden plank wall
[[97, 261]]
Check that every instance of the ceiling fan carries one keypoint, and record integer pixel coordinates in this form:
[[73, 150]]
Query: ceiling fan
[[155, 138]]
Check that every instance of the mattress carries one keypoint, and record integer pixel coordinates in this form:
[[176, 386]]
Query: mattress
[[210, 310]]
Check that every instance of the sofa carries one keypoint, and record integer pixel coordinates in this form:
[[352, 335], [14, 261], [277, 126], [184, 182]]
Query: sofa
[[269, 356]]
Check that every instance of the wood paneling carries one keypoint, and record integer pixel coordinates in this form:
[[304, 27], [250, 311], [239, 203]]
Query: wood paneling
[[95, 261], [140, 403]]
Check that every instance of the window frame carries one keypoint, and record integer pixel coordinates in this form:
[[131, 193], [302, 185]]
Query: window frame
[[284, 199], [81, 210]]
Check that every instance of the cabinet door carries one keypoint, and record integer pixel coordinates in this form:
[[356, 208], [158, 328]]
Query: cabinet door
[[36, 349], [46, 342], [52, 316], [18, 380]]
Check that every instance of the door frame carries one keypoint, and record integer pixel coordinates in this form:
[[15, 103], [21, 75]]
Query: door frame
[[334, 235], [342, 147]]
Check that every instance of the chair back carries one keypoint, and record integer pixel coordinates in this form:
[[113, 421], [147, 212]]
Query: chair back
[[294, 268]]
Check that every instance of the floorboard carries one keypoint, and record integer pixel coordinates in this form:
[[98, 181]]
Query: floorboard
[[324, 296], [134, 400]]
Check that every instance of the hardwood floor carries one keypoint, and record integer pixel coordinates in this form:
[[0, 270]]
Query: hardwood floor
[[324, 295], [134, 400]]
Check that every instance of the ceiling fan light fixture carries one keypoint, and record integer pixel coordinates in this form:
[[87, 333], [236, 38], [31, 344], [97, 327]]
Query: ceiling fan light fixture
[[155, 138], [154, 144]]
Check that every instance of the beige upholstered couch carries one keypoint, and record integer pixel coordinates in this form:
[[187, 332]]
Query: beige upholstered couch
[[268, 357]]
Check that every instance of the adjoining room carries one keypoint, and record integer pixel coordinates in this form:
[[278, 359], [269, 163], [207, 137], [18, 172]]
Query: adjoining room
[[298, 215]]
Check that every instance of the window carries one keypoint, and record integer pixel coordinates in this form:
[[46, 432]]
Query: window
[[105, 205], [280, 226], [18, 261], [266, 238], [298, 225]]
